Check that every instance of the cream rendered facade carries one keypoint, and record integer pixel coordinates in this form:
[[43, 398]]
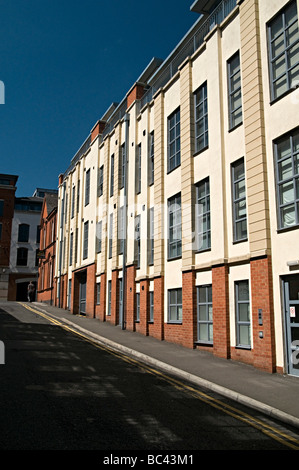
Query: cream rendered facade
[[257, 262]]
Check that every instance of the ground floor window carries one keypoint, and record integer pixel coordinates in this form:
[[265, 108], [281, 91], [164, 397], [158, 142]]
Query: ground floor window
[[243, 314], [204, 314], [175, 310]]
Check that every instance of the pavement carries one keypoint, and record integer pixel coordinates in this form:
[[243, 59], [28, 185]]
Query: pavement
[[275, 395]]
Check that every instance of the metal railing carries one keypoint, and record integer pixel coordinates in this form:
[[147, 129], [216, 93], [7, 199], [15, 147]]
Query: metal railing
[[193, 43]]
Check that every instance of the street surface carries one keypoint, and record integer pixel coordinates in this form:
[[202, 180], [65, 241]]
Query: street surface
[[61, 391]]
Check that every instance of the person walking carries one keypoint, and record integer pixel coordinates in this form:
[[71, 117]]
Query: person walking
[[30, 291]]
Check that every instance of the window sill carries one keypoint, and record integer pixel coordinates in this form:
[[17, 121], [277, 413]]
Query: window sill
[[174, 322], [283, 95], [231, 129], [173, 169], [288, 229], [203, 343], [198, 152], [174, 259], [235, 242], [246, 348]]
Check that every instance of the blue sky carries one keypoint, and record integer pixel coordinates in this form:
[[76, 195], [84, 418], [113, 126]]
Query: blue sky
[[63, 62]]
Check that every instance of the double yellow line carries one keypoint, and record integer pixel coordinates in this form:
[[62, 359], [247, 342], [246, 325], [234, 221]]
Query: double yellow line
[[271, 431]]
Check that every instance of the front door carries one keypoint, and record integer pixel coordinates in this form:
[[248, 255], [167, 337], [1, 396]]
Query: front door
[[291, 298], [82, 294]]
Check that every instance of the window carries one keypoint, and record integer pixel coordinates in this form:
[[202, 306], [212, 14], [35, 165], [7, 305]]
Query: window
[[85, 241], [234, 91], [242, 313], [151, 306], [1, 207], [138, 307], [122, 166], [38, 234], [283, 39], [73, 201], [71, 248], [98, 293], [203, 223], [175, 314], [121, 233], [23, 235], [69, 294], [0, 231], [201, 118], [109, 298], [112, 175], [151, 237], [22, 256], [99, 237], [151, 160], [138, 170], [78, 196], [65, 208], [110, 235], [204, 314], [100, 180], [174, 227], [87, 187], [239, 201], [36, 256], [286, 151], [76, 245], [174, 144], [137, 241]]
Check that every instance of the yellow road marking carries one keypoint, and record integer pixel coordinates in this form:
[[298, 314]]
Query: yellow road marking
[[271, 431]]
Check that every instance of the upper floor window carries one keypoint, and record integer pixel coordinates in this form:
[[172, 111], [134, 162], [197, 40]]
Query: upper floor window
[[283, 38], [174, 141], [85, 241], [87, 187], [73, 201], [78, 196], [99, 237], [174, 227], [100, 180], [201, 118], [1, 207], [22, 256], [239, 201], [203, 223], [112, 175], [23, 235], [286, 152], [151, 160], [234, 91], [138, 170], [137, 241]]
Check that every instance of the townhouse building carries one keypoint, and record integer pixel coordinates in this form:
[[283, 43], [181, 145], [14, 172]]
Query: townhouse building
[[47, 248], [178, 217]]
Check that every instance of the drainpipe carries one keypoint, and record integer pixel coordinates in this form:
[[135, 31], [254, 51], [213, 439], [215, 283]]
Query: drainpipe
[[61, 243], [123, 320]]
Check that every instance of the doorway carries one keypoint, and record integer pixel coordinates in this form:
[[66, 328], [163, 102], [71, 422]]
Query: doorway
[[82, 293], [291, 307]]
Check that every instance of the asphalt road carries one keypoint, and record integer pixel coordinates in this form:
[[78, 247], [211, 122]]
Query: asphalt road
[[59, 391]]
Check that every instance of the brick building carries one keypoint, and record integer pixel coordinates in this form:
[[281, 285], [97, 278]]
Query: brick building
[[48, 227], [7, 202], [178, 217]]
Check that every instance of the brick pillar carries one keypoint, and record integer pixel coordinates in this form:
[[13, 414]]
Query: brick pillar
[[114, 298], [102, 309], [221, 331], [189, 309], [90, 291], [130, 298], [262, 298], [144, 307], [158, 326]]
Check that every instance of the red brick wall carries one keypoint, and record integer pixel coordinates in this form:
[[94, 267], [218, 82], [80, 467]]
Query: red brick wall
[[262, 298], [142, 326], [221, 330], [135, 94], [156, 329], [130, 298]]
